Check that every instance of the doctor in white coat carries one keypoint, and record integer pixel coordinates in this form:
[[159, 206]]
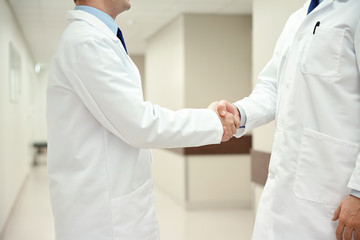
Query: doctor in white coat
[[100, 130], [311, 87]]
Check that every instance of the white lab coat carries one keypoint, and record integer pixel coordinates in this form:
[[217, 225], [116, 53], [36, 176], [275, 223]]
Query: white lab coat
[[311, 87], [100, 130]]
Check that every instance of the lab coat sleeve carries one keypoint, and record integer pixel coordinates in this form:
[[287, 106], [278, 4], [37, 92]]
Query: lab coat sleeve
[[354, 182], [260, 106], [115, 99]]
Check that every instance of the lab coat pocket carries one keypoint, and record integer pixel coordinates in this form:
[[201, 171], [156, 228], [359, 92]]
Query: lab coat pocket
[[322, 52], [134, 215], [324, 168]]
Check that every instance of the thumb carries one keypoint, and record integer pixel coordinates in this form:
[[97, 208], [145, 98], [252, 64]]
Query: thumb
[[337, 213], [222, 109]]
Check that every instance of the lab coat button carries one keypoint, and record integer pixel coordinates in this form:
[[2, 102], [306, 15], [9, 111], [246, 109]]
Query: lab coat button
[[286, 86]]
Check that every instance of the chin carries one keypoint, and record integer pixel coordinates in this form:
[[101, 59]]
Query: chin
[[125, 8]]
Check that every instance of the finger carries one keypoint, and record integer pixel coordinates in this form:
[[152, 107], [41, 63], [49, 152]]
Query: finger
[[233, 130], [225, 138], [214, 106], [226, 134], [357, 234], [232, 127], [231, 108], [339, 231], [237, 123], [337, 213], [229, 125], [228, 106], [348, 233], [222, 109], [229, 133]]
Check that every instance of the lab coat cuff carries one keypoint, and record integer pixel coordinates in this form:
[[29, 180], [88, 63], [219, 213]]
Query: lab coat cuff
[[354, 182], [220, 130], [242, 115], [242, 130], [355, 193]]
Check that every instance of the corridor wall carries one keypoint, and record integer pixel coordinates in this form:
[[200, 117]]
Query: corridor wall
[[192, 61], [16, 111]]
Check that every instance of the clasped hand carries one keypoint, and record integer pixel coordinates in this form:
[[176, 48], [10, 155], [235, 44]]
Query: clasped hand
[[229, 116]]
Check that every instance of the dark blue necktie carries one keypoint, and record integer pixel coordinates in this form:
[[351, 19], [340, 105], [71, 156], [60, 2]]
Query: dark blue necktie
[[313, 5], [121, 37]]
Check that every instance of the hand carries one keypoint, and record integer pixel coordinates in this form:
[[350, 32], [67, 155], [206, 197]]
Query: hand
[[229, 122], [348, 214], [225, 106]]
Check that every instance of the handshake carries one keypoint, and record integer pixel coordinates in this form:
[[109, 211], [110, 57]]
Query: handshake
[[229, 116]]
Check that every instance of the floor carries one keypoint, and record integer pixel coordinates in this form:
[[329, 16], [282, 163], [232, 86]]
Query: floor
[[31, 218]]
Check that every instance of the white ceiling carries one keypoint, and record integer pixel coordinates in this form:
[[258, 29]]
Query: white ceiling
[[43, 21]]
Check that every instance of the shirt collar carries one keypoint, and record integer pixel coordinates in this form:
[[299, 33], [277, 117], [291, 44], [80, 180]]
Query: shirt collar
[[105, 18]]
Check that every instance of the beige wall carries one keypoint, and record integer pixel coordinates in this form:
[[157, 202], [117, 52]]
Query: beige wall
[[164, 71], [139, 61], [217, 58], [218, 181], [170, 175], [189, 65], [164, 68], [269, 18], [16, 118], [217, 66]]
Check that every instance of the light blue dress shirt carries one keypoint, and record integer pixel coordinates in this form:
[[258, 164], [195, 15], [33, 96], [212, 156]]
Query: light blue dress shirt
[[105, 18]]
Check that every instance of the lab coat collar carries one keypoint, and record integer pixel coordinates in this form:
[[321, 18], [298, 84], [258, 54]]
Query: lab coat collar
[[106, 18], [322, 5], [92, 20]]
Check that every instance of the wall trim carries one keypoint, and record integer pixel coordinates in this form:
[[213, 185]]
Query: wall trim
[[233, 146]]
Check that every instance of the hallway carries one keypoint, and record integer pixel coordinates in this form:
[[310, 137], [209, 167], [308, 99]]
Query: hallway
[[31, 218]]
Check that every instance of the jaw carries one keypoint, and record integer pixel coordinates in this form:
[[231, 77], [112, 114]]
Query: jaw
[[125, 6]]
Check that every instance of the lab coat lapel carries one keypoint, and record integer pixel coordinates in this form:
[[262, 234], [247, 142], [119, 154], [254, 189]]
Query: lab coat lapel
[[323, 5], [92, 20], [96, 23]]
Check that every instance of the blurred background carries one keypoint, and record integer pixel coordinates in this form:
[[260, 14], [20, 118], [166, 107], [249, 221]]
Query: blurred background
[[189, 53]]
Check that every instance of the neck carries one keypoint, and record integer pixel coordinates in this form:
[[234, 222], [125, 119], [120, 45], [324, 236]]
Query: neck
[[102, 5]]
